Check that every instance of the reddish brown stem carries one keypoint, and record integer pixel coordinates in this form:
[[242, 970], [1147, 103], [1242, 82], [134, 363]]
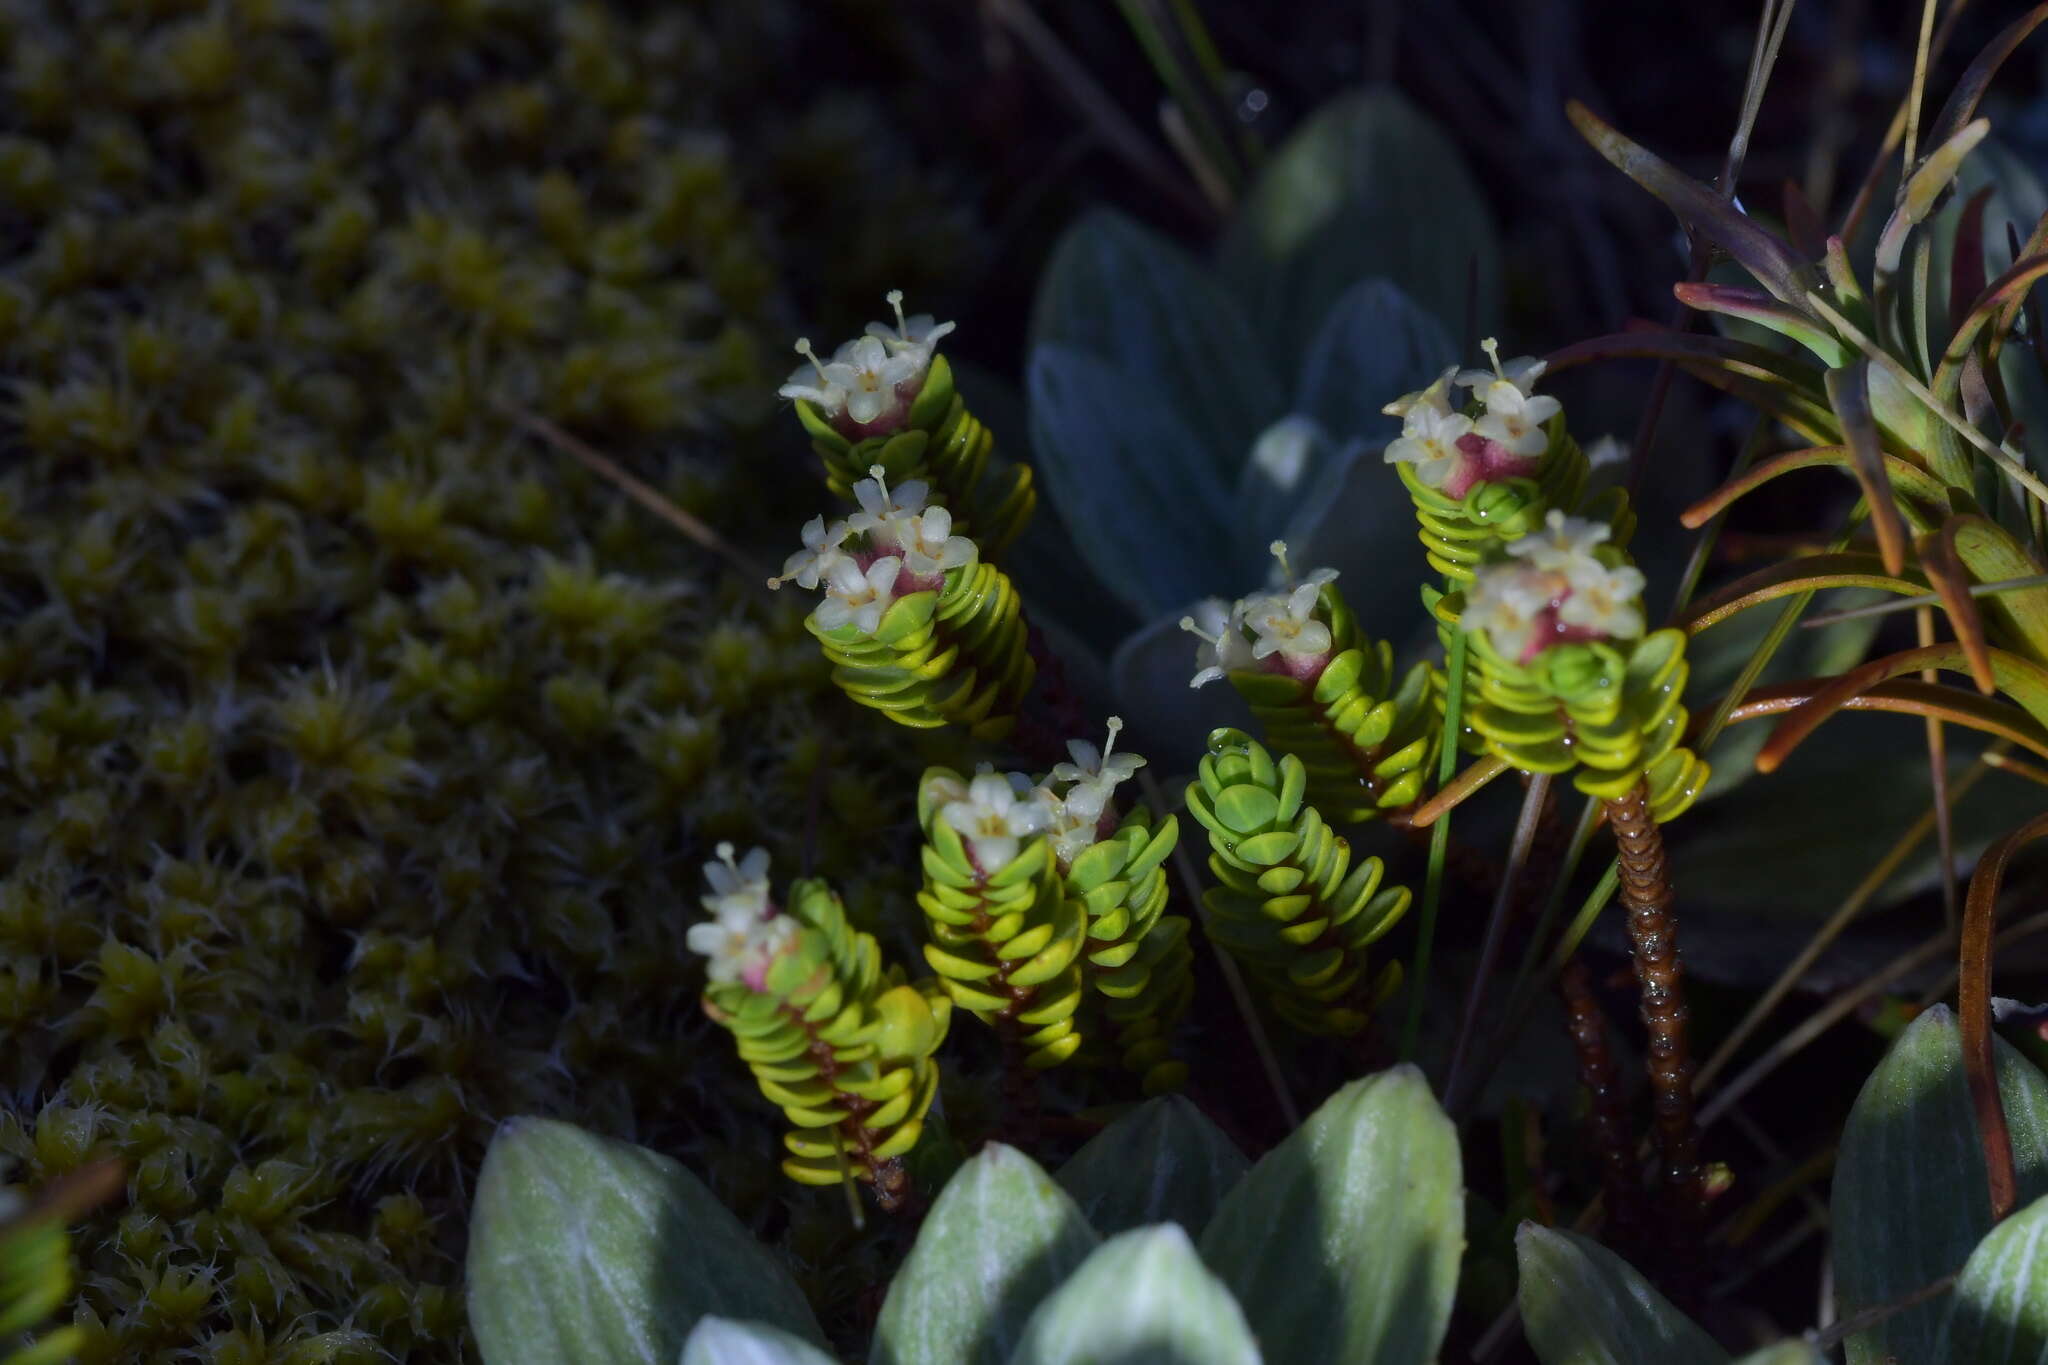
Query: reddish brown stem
[[1653, 934], [1973, 1014], [1613, 1141]]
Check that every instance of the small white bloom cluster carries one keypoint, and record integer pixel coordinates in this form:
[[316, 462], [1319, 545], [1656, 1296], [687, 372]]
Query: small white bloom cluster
[[1554, 591], [995, 812], [1280, 626], [873, 377], [1452, 451], [744, 934], [893, 546]]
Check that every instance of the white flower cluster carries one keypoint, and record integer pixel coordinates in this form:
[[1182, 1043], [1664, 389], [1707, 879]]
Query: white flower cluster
[[1553, 591], [1267, 625], [894, 545], [873, 377], [744, 934], [996, 812], [1453, 451]]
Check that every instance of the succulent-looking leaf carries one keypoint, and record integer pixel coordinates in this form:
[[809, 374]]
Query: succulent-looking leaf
[[1143, 1298], [1343, 1243], [1910, 1202], [1998, 1311], [1584, 1305], [587, 1251], [724, 1341], [1375, 343], [1368, 185], [1000, 1237], [1163, 1162], [1127, 297]]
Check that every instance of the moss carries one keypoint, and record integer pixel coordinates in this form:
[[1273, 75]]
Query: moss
[[356, 754]]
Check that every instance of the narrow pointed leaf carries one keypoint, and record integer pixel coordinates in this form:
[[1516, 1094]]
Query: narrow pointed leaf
[[1849, 395], [1926, 184], [2021, 679], [1755, 306], [1998, 1311], [1962, 101], [1773, 263], [1910, 1201], [1924, 499], [1803, 573], [1946, 572], [1931, 701], [1966, 257], [2002, 294], [725, 1341], [1992, 554], [1584, 1305], [1343, 1242], [586, 1251], [1164, 1162], [1142, 1298], [1000, 1237]]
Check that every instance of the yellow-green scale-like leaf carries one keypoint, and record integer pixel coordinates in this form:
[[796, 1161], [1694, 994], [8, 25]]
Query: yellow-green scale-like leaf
[[1136, 958], [1290, 902]]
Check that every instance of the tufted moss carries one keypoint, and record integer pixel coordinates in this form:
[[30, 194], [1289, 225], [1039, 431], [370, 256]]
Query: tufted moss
[[357, 755]]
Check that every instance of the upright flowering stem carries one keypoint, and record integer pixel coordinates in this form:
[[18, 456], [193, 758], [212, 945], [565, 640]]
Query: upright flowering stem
[[1653, 936], [1613, 1141]]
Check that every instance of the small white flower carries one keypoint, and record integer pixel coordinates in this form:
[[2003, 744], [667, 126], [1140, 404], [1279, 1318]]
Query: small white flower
[[1515, 419], [917, 337], [929, 545], [872, 375], [1429, 441], [741, 886], [861, 598], [1283, 451], [1607, 451], [1286, 624], [1219, 625], [744, 934], [815, 382], [1605, 600], [882, 506], [1505, 601], [1095, 775], [993, 820], [1564, 546], [1522, 372], [1437, 398], [821, 551]]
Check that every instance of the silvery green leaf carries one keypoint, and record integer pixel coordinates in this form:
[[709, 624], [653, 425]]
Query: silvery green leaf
[[1584, 1305], [1375, 345], [1143, 1298], [1342, 1244], [724, 1341], [1358, 520], [1786, 1353], [1162, 1162], [1000, 1237], [1368, 186], [1123, 294], [1150, 518], [587, 1251], [1998, 1312], [1910, 1201]]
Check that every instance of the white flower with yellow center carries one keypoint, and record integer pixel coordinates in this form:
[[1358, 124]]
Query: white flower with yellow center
[[1607, 601], [1514, 415], [861, 379], [1522, 371], [881, 506], [1506, 601], [745, 935], [993, 820], [1437, 398], [1284, 623], [1429, 441], [1095, 775], [917, 337], [857, 597], [1219, 625], [1565, 545], [822, 549], [929, 545]]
